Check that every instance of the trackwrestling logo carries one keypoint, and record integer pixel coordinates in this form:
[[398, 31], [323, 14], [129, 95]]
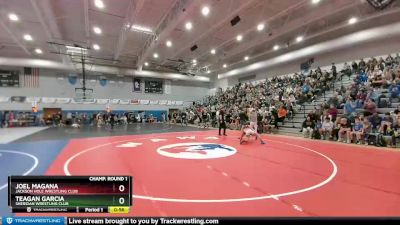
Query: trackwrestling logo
[[196, 150]]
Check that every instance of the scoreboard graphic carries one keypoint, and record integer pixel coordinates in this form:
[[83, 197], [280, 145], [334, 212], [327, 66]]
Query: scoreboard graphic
[[74, 194]]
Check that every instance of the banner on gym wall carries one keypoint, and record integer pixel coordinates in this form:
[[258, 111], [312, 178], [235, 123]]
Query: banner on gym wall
[[153, 102], [114, 101], [63, 100], [48, 100], [124, 101], [144, 102], [4, 99], [162, 102], [19, 99], [137, 85], [102, 101], [135, 101], [32, 99]]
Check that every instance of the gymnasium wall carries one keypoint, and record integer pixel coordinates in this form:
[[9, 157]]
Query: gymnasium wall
[[51, 86], [339, 56]]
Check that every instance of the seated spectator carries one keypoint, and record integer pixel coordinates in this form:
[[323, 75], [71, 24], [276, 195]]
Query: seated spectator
[[327, 128], [377, 78], [345, 71], [362, 65], [332, 112], [334, 100], [308, 126], [318, 127], [367, 126], [375, 120], [394, 91], [333, 71], [397, 58], [397, 119], [370, 107], [349, 107], [336, 128], [388, 61], [387, 135], [344, 130], [362, 78], [388, 118], [267, 126], [354, 67], [358, 131]]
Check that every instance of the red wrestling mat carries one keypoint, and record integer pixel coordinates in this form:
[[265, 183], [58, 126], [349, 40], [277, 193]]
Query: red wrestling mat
[[202, 174]]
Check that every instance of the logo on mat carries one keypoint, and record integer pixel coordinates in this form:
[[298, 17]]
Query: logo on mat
[[196, 150], [9, 220]]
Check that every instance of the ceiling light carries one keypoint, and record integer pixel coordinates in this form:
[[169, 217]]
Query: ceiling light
[[299, 39], [352, 20], [28, 37], [208, 71], [315, 1], [38, 51], [205, 11], [146, 64], [155, 55], [13, 17], [213, 51], [194, 61], [97, 30], [168, 43], [260, 27], [239, 37], [99, 4], [224, 65], [142, 29], [96, 47], [188, 26], [276, 47], [246, 58]]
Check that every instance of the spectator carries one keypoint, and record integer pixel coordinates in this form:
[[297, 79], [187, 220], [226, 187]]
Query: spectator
[[375, 121], [394, 91], [317, 130], [333, 70], [387, 135], [282, 114], [358, 131], [349, 108], [327, 128], [163, 118], [344, 130], [362, 65], [334, 100], [308, 126], [345, 71], [332, 112], [370, 107], [354, 67], [367, 127]]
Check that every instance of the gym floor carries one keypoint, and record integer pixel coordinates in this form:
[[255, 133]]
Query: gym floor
[[188, 171]]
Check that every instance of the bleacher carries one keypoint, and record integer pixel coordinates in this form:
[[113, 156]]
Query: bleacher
[[293, 127]]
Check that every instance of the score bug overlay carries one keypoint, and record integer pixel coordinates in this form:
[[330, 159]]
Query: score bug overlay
[[86, 194]]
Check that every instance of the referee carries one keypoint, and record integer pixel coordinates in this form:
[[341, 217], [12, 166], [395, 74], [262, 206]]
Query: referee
[[222, 123]]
